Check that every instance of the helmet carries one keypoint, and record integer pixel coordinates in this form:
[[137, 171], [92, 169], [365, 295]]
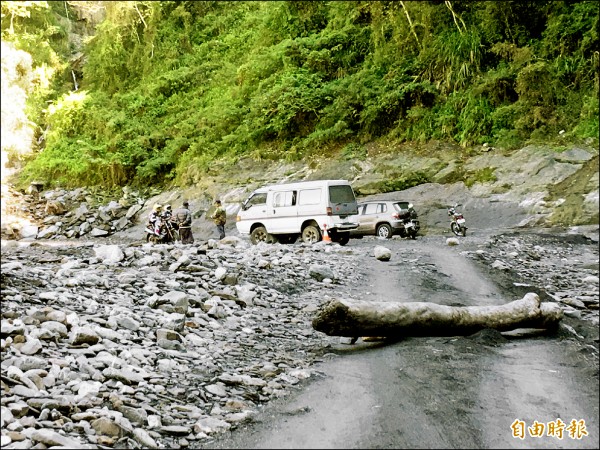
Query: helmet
[[157, 207]]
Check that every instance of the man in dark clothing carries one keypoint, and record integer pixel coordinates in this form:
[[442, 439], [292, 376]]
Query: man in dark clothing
[[220, 218], [183, 218]]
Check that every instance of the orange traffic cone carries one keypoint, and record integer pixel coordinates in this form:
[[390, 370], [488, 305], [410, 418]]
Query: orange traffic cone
[[326, 237]]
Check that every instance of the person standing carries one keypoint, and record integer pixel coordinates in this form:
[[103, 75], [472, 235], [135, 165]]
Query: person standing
[[154, 217], [220, 218], [167, 213], [183, 218]]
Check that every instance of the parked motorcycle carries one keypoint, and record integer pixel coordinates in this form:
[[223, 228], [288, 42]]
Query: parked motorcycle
[[163, 232], [411, 228], [410, 222], [458, 225]]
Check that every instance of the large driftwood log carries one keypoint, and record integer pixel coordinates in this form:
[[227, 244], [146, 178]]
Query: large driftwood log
[[354, 318]]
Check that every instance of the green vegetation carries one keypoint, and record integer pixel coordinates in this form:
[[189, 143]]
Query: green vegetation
[[170, 91], [354, 151], [484, 175], [573, 211]]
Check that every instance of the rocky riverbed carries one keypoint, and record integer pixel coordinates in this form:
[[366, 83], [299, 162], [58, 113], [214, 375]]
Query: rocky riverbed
[[154, 346], [135, 345]]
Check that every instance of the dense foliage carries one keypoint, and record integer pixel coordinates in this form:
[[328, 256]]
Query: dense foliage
[[168, 88]]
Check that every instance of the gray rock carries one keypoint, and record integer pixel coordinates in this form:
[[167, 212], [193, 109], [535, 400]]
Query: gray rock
[[106, 427], [452, 241], [144, 438], [170, 335], [83, 335], [6, 416], [320, 272], [216, 389], [109, 254], [123, 375], [210, 425], [128, 323], [500, 265], [382, 253], [176, 430], [30, 362], [174, 321], [48, 232], [96, 232], [52, 438], [56, 328], [31, 347], [177, 300], [136, 415]]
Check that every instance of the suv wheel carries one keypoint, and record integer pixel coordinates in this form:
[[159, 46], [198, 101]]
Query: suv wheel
[[311, 234], [384, 231], [343, 238], [259, 234]]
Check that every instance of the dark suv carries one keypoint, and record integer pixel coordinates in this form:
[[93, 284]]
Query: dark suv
[[384, 218]]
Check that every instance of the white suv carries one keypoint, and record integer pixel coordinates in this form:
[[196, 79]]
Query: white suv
[[305, 209]]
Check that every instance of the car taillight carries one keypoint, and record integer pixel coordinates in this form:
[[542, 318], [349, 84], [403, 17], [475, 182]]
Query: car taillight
[[329, 211], [396, 216]]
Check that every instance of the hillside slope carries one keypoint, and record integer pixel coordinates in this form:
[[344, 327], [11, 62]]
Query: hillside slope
[[154, 93], [533, 186]]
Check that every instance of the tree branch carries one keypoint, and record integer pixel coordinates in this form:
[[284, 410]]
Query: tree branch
[[412, 28], [353, 318], [140, 14], [454, 16]]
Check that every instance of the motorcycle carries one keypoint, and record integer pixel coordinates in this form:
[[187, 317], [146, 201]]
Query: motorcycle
[[411, 228], [457, 225], [163, 232], [410, 222]]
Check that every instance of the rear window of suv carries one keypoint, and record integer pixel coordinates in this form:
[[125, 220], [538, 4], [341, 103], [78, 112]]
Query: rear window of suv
[[341, 194], [401, 206]]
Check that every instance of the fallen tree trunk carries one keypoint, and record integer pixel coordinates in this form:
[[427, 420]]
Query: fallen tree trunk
[[352, 318]]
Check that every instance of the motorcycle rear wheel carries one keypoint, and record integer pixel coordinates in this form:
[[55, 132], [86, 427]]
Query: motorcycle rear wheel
[[153, 239], [456, 229]]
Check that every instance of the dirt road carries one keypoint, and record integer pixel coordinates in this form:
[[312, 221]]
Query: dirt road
[[458, 392]]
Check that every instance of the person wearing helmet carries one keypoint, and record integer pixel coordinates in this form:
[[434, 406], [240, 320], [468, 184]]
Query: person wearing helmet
[[171, 227], [167, 213], [154, 217]]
